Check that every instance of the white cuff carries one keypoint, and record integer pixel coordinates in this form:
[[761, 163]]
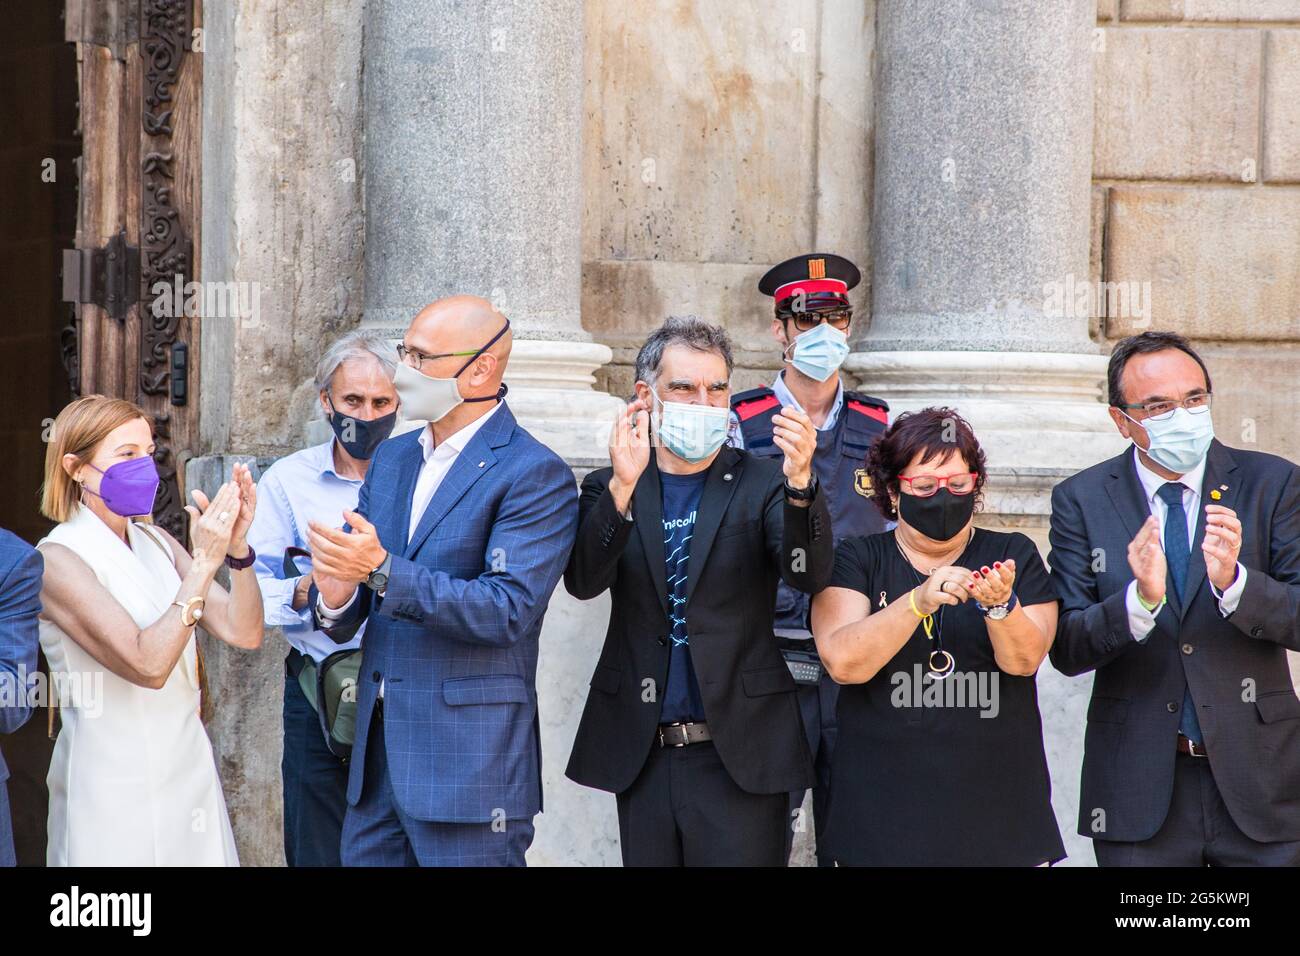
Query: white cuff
[[1229, 599], [330, 615], [1140, 620]]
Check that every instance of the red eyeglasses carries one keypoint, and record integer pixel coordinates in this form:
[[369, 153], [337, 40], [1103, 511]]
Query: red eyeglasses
[[923, 486]]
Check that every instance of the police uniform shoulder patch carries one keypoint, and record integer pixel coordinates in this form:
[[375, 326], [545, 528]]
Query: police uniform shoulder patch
[[867, 405], [862, 482], [753, 402]]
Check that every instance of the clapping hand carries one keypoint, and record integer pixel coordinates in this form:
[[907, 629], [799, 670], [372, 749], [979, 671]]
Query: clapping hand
[[794, 434], [992, 586], [212, 524], [1221, 546], [1146, 559], [629, 450]]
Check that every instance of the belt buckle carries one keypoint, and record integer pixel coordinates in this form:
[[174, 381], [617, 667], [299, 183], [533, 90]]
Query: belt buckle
[[665, 743], [1191, 748]]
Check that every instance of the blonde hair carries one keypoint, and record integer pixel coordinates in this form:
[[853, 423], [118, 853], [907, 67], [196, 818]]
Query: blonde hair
[[78, 430]]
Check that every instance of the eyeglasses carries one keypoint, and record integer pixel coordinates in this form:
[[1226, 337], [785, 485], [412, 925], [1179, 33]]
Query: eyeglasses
[[1197, 404], [839, 319], [923, 486], [416, 359]]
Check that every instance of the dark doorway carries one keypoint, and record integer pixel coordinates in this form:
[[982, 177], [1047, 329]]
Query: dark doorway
[[38, 218]]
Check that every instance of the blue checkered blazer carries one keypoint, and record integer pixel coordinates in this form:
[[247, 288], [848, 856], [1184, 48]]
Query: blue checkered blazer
[[21, 566], [454, 638]]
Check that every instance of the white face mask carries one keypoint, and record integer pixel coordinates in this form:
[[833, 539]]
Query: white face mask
[[1180, 442], [423, 396], [820, 351], [432, 399], [691, 432]]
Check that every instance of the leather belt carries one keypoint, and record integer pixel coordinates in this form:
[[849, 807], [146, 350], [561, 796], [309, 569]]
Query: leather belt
[[1190, 747], [683, 734]]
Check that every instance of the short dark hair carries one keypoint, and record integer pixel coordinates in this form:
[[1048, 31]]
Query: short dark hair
[[931, 433], [689, 330], [1142, 344]]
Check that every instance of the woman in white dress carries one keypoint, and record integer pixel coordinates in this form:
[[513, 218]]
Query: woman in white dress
[[133, 781]]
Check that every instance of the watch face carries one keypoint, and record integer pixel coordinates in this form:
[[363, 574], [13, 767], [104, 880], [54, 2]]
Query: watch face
[[378, 581], [999, 612]]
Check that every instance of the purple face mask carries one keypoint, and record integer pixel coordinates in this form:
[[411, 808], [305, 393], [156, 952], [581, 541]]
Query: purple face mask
[[129, 487]]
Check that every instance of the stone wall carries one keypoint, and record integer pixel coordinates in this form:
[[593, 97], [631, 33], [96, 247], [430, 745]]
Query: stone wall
[[721, 139], [1196, 171]]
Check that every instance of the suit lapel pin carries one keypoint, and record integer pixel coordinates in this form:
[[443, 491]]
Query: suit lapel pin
[[1216, 494], [482, 463], [727, 476]]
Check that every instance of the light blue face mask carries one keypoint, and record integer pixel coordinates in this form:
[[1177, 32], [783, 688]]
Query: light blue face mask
[[1180, 442], [691, 432], [820, 351]]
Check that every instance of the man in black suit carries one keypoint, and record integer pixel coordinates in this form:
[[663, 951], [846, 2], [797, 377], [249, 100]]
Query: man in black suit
[[693, 718], [1192, 754]]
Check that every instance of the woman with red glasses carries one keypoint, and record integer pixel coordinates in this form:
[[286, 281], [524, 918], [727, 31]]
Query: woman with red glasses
[[937, 629]]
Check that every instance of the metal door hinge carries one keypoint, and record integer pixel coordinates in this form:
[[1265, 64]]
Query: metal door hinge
[[109, 277]]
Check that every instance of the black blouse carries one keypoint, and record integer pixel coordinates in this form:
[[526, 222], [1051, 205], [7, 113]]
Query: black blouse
[[948, 772]]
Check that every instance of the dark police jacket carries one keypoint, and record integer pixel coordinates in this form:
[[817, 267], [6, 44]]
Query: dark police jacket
[[1236, 667], [840, 465], [747, 537]]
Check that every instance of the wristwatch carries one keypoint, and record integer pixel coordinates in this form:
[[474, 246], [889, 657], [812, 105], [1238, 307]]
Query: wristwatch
[[378, 578], [998, 612], [802, 494], [191, 610]]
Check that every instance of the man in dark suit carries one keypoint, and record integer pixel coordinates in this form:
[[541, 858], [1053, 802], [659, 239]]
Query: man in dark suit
[[1192, 753], [693, 718], [21, 566], [461, 533]]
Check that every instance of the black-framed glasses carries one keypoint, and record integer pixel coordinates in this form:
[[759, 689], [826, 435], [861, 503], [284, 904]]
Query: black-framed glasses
[[1197, 403], [416, 358], [838, 318]]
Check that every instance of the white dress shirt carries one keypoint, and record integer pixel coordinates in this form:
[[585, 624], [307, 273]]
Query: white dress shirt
[[438, 460], [1140, 620], [298, 489]]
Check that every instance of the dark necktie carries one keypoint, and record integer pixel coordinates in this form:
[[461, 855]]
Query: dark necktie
[[1178, 554]]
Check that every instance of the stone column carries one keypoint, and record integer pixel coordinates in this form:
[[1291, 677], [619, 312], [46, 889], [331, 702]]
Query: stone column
[[282, 134], [981, 216], [981, 220], [473, 184]]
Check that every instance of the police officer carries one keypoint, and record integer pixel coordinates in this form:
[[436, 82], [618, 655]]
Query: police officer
[[811, 323]]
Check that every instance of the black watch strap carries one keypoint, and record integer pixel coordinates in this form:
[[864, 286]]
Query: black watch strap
[[802, 494]]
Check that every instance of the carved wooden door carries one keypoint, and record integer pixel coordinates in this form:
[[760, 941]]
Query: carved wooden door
[[139, 79]]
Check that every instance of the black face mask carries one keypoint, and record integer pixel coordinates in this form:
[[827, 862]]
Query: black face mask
[[939, 517], [358, 436]]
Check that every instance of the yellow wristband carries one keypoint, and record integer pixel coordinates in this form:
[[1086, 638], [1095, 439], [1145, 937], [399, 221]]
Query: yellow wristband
[[1150, 608], [911, 599]]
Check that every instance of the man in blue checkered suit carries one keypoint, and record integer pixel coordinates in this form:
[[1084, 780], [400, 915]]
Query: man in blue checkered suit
[[461, 532], [20, 602]]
